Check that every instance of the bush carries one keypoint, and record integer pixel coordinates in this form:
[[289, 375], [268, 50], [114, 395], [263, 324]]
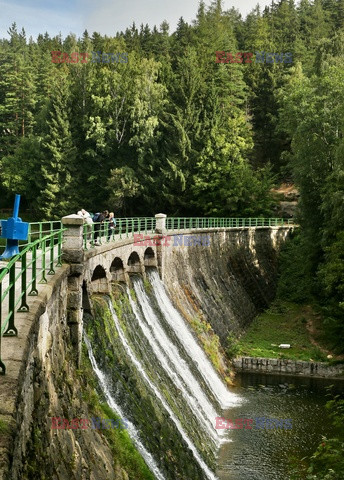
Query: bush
[[295, 280], [233, 348]]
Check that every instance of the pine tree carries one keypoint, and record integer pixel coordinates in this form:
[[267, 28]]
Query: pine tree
[[58, 167], [17, 92]]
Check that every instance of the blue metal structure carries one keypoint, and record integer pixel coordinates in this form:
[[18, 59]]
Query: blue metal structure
[[13, 230]]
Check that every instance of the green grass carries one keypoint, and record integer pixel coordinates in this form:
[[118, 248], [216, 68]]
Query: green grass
[[123, 448], [3, 427], [284, 322]]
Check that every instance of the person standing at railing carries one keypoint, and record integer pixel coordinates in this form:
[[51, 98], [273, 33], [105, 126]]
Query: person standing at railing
[[82, 213], [99, 219], [112, 225], [88, 219]]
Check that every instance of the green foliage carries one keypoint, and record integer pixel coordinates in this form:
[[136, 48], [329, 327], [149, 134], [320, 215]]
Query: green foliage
[[283, 322], [233, 348], [168, 130], [312, 114], [4, 428], [147, 286], [327, 462], [210, 342], [295, 281], [123, 449]]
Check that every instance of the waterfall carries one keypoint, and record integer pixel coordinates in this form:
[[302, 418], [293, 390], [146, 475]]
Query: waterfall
[[158, 395], [154, 345], [171, 361], [225, 398], [116, 408]]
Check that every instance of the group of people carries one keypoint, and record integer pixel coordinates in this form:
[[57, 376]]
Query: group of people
[[98, 219]]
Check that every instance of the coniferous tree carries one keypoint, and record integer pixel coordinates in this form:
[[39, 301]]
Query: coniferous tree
[[58, 167]]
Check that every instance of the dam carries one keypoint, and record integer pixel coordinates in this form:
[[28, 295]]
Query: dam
[[120, 319]]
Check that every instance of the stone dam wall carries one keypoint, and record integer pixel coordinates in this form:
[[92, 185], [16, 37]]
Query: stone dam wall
[[228, 282], [225, 283], [290, 367]]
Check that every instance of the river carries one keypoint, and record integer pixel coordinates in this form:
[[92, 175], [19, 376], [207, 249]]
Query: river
[[268, 454]]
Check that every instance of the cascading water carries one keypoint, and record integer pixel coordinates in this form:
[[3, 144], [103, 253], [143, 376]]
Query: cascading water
[[154, 373], [158, 395], [171, 361], [225, 398], [115, 406]]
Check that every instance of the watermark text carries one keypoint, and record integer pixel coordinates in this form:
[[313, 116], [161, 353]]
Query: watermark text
[[258, 423], [177, 240], [95, 423], [248, 57]]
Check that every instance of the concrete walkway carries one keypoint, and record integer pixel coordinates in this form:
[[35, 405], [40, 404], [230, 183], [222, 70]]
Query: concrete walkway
[[13, 354]]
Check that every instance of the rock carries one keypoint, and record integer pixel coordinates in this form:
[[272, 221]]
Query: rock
[[286, 209]]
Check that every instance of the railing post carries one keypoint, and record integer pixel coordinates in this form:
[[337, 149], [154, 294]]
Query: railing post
[[11, 330], [43, 247], [2, 365], [160, 226], [24, 306], [51, 266], [160, 229], [72, 251], [120, 228], [34, 290]]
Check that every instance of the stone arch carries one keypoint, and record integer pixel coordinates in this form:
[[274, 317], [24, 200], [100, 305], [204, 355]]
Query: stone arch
[[99, 280], [98, 273], [117, 270], [134, 263], [149, 258]]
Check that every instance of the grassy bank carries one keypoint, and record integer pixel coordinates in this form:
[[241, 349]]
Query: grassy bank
[[283, 322]]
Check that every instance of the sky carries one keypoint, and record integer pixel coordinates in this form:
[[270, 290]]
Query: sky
[[103, 16]]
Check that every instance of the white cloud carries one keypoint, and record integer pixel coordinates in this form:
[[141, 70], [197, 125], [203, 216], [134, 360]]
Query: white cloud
[[104, 16], [37, 20], [109, 16]]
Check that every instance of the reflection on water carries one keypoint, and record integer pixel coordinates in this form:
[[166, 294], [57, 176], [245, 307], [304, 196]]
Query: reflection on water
[[265, 454]]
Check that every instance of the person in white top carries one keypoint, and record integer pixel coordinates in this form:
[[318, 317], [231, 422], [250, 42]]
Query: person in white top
[[88, 219], [82, 213]]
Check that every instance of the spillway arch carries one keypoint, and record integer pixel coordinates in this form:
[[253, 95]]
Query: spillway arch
[[115, 266]]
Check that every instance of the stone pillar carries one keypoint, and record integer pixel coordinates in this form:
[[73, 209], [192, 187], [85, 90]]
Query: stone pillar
[[72, 253], [160, 226], [160, 229]]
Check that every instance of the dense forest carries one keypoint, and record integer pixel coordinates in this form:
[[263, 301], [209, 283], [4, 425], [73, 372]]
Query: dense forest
[[165, 126], [162, 125]]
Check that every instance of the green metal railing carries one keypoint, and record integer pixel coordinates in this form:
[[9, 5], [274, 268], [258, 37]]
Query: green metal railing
[[37, 230], [215, 222], [100, 233], [41, 254], [20, 277]]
